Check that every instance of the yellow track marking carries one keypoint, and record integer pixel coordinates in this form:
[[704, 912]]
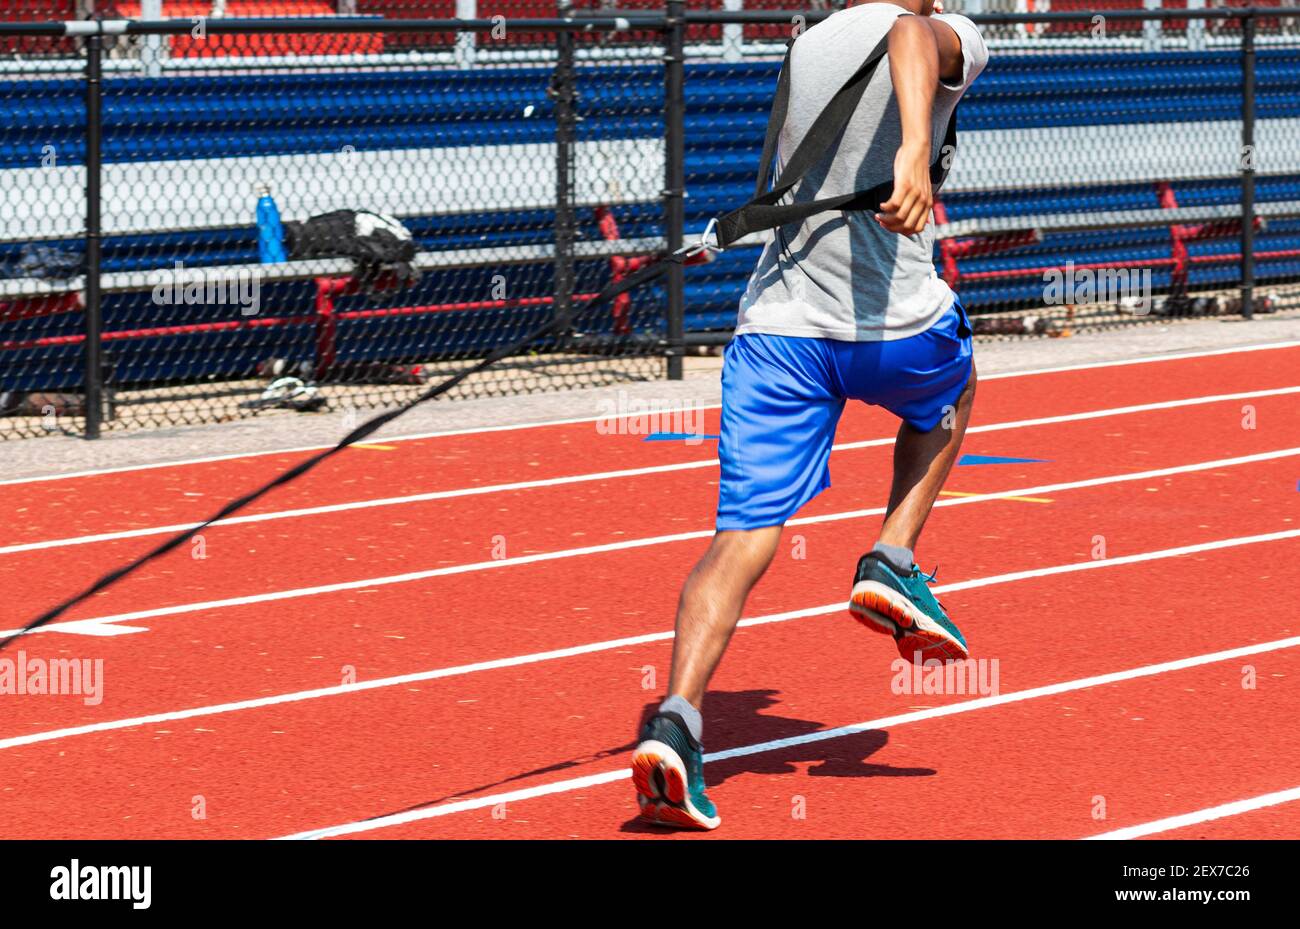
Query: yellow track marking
[[959, 493]]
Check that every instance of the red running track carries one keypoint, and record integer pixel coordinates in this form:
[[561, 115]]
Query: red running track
[[487, 712]]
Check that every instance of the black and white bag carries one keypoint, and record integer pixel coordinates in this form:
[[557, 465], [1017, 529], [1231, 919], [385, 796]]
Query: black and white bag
[[379, 244]]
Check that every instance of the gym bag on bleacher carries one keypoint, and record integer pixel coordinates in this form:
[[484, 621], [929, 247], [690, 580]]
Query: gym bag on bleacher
[[379, 244]]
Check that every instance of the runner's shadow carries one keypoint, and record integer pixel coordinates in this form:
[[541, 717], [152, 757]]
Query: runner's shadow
[[734, 718], [737, 719]]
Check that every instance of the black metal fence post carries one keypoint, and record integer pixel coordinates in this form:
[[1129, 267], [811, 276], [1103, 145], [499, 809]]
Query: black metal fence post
[[675, 178], [564, 93], [94, 368], [1248, 156]]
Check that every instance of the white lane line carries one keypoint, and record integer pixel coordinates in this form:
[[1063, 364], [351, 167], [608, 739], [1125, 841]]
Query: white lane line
[[1146, 359], [95, 627], [887, 722], [1085, 366], [614, 475], [410, 437], [1236, 808], [1068, 485], [624, 544], [1101, 414], [358, 505], [612, 644]]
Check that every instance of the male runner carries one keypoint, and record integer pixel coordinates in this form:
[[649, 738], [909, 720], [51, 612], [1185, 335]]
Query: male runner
[[844, 305]]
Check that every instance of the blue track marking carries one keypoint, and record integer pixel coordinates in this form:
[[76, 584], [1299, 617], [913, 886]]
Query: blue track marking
[[997, 459], [677, 437]]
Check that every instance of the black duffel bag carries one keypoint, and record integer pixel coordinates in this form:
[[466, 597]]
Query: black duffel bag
[[380, 245]]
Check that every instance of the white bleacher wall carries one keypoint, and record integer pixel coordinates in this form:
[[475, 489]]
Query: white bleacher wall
[[148, 196], [1071, 156]]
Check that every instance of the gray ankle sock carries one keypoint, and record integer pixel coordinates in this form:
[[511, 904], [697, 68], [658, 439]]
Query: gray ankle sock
[[682, 707], [899, 558]]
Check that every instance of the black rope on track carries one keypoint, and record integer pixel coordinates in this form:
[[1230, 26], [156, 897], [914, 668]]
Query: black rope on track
[[369, 427]]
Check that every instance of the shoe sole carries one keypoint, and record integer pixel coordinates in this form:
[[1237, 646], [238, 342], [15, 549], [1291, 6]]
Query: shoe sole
[[884, 610], [659, 775]]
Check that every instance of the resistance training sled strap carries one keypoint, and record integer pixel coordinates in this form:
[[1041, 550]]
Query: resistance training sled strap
[[763, 212]]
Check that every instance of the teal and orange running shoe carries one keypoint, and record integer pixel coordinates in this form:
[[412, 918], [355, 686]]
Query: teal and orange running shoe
[[903, 607], [668, 771]]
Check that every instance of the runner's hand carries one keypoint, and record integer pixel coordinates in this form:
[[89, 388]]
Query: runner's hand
[[908, 209]]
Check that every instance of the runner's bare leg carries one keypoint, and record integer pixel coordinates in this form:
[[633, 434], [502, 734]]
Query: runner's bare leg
[[714, 594], [922, 461], [711, 602]]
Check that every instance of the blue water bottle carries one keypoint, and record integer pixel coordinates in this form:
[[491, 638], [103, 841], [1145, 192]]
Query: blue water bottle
[[270, 234]]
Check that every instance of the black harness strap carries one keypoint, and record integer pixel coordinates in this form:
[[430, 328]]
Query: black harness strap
[[764, 211]]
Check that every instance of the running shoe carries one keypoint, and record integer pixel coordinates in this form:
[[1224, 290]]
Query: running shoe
[[668, 771], [903, 607]]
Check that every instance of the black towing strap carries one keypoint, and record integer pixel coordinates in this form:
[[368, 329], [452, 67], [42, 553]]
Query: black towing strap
[[763, 212]]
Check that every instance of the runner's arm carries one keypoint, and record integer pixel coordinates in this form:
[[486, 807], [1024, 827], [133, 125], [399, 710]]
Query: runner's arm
[[922, 52]]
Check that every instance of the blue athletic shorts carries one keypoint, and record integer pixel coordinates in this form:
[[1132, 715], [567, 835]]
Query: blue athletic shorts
[[782, 397]]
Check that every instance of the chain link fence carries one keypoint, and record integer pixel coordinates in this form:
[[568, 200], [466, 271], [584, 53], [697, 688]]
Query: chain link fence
[[288, 214], [1105, 160], [1150, 139], [290, 218]]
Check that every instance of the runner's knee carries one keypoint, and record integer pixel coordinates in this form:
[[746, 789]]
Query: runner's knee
[[744, 551]]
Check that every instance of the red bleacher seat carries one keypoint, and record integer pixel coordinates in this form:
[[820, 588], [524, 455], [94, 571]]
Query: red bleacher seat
[[186, 46]]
